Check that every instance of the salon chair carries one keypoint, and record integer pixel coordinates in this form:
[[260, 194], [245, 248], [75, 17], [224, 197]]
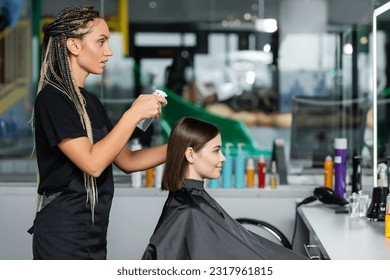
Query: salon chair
[[271, 231]]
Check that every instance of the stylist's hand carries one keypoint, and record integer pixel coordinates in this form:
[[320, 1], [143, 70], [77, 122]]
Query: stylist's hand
[[148, 106]]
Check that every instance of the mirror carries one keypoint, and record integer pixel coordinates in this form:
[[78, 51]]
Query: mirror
[[381, 85]]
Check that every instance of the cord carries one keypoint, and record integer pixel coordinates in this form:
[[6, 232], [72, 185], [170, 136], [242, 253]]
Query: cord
[[305, 201]]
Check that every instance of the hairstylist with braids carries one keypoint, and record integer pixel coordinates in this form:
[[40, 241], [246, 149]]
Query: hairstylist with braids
[[75, 141]]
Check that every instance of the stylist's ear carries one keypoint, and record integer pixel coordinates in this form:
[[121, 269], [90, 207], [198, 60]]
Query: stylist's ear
[[73, 45], [190, 155]]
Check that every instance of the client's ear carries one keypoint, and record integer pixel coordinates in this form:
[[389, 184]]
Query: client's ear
[[190, 155]]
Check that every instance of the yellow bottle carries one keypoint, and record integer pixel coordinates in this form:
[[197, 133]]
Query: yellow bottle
[[328, 172], [273, 176], [387, 218], [250, 173]]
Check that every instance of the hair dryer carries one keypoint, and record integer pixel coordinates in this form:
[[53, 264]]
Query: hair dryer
[[326, 196]]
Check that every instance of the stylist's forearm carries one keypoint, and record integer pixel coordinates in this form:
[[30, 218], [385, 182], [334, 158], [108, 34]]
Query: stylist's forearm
[[131, 161], [106, 150]]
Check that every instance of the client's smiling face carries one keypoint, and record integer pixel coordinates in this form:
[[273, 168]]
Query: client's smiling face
[[207, 163]]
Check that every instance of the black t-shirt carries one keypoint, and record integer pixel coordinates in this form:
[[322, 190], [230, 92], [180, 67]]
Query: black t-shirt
[[56, 118]]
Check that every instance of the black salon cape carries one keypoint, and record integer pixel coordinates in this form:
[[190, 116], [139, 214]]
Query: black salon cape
[[193, 226]]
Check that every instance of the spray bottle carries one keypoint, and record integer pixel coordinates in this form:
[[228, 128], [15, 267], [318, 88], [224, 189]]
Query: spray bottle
[[227, 168], [239, 168], [145, 123], [261, 170], [250, 173], [136, 177], [328, 172], [377, 209]]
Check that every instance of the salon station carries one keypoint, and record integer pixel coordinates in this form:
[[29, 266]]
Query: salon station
[[299, 90]]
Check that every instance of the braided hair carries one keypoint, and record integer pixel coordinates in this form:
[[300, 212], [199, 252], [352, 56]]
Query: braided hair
[[71, 22]]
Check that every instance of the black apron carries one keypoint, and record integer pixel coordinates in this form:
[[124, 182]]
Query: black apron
[[63, 229]]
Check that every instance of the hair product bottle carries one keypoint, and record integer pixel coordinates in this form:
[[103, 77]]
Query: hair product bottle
[[149, 178], [261, 171], [340, 166], [273, 176], [387, 217], [328, 172], [136, 177], [227, 168], [250, 173], [377, 209], [357, 174], [156, 141], [158, 172], [239, 167]]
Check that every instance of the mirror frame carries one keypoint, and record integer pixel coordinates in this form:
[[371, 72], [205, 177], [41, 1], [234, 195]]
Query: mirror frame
[[377, 12]]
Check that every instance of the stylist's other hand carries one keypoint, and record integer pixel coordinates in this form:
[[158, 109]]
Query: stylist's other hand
[[148, 106]]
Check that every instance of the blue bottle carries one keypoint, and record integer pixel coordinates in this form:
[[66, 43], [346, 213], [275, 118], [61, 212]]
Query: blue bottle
[[227, 168], [239, 168], [340, 166]]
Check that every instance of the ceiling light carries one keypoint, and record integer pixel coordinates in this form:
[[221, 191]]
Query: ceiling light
[[348, 49], [268, 25], [248, 16], [364, 40]]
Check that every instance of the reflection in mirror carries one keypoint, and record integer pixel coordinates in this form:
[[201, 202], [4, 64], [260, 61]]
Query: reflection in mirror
[[381, 86]]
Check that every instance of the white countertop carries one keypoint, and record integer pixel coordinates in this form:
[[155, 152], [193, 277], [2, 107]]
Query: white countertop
[[290, 191], [344, 238]]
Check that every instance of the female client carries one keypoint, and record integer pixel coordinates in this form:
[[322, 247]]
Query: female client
[[192, 224]]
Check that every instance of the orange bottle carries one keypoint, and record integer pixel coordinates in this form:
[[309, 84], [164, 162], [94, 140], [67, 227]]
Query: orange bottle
[[328, 172], [149, 180], [250, 173]]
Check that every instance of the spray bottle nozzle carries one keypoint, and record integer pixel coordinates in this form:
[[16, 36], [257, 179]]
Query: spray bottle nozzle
[[227, 148], [250, 163], [261, 159], [273, 166], [382, 169], [382, 175], [240, 145]]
